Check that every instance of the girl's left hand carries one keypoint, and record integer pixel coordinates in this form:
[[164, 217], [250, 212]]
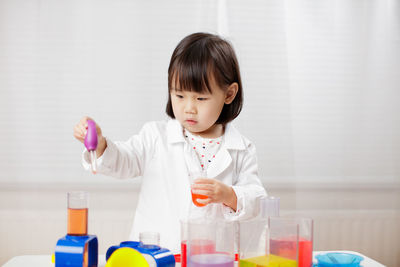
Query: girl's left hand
[[216, 191]]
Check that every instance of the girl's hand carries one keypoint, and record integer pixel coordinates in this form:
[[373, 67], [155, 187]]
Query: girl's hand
[[216, 191], [80, 131]]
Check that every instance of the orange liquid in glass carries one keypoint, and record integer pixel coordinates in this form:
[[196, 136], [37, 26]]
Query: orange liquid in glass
[[198, 196], [77, 221]]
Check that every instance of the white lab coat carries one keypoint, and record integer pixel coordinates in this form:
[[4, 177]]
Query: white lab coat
[[161, 155]]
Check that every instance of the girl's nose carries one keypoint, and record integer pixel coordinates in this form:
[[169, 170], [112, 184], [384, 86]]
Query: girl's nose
[[190, 107]]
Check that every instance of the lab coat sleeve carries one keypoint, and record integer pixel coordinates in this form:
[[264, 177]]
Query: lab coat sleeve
[[248, 187], [126, 159]]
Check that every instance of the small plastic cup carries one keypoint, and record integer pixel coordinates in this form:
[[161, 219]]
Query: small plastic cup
[[77, 213], [150, 238]]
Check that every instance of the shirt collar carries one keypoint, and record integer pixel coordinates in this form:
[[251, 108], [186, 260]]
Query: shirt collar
[[232, 139]]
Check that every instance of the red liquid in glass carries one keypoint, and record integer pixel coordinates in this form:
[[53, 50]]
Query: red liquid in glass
[[183, 254], [287, 249]]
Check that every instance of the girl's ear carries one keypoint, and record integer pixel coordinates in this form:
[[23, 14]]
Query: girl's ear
[[231, 92]]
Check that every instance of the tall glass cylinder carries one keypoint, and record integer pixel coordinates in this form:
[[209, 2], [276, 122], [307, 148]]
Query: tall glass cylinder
[[77, 213]]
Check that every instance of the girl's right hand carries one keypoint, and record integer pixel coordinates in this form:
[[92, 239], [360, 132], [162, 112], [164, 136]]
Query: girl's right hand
[[80, 131]]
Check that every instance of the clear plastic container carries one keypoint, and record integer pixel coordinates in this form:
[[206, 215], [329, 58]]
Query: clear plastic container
[[210, 243], [149, 238]]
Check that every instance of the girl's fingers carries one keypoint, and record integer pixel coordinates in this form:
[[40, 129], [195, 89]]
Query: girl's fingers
[[201, 192], [83, 130], [204, 181], [204, 201], [77, 131], [202, 187]]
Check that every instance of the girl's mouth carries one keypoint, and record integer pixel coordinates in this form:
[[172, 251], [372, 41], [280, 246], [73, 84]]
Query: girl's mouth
[[191, 122]]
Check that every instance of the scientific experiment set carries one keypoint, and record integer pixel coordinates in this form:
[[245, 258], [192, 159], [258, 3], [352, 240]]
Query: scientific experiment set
[[268, 240]]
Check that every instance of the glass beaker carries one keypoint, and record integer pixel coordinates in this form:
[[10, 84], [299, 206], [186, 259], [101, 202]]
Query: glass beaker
[[253, 236], [291, 239], [210, 243], [192, 177], [77, 213]]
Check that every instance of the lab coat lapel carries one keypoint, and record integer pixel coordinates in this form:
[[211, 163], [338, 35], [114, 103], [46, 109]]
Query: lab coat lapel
[[175, 136], [222, 160], [232, 141]]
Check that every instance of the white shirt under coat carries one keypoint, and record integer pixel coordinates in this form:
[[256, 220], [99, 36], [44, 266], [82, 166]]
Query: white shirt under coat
[[162, 156]]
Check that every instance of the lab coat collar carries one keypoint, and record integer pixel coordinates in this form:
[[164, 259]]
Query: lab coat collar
[[232, 139], [174, 132]]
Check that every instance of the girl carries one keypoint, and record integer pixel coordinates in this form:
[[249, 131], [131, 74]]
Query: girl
[[204, 96]]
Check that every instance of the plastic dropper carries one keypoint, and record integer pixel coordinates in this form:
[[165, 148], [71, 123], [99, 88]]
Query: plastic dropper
[[91, 144]]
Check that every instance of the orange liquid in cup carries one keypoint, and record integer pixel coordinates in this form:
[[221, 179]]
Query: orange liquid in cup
[[77, 221], [198, 196]]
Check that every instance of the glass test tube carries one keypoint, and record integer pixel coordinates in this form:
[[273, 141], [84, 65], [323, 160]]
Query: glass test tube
[[77, 213]]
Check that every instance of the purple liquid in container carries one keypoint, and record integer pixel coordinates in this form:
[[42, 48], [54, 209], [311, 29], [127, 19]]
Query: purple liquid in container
[[210, 260]]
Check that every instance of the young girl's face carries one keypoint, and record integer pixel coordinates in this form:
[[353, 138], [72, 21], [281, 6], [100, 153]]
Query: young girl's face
[[198, 112]]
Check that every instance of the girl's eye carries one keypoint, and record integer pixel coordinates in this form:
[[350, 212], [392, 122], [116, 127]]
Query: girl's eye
[[202, 98], [179, 96]]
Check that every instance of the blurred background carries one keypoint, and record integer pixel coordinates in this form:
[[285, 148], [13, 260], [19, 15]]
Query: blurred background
[[321, 88]]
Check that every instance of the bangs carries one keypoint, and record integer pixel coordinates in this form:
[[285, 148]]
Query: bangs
[[191, 72]]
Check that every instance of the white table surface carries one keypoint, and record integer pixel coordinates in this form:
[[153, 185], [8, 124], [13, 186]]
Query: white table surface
[[45, 260]]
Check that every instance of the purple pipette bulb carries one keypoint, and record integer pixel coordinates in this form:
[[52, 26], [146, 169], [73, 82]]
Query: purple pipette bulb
[[91, 143]]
